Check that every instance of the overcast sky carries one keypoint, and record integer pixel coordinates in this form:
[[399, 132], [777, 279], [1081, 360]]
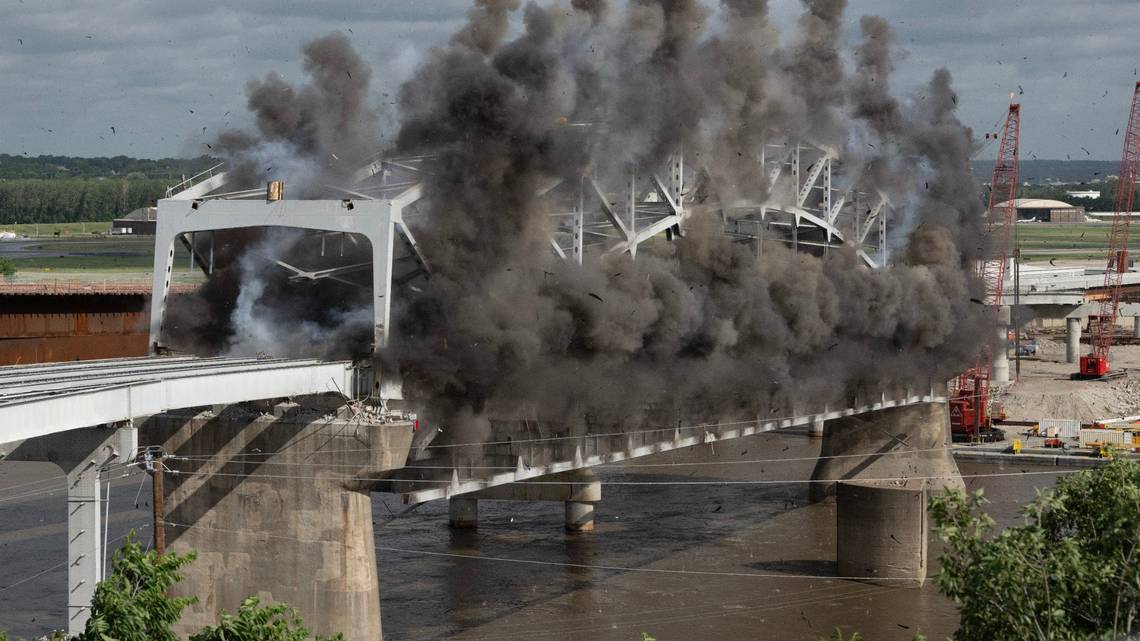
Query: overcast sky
[[160, 71]]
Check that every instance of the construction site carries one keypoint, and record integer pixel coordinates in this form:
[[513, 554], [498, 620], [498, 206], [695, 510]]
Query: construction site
[[738, 313]]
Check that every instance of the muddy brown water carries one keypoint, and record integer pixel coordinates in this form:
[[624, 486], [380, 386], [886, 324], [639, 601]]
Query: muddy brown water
[[720, 544]]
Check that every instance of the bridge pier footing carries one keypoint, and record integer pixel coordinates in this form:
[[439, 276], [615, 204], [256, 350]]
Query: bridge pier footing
[[881, 533], [463, 512], [278, 508], [579, 516]]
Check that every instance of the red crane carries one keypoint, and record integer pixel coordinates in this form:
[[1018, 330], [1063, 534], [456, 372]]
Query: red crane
[[1095, 364], [970, 395]]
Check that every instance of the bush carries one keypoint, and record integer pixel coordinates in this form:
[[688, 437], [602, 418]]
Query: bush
[[133, 605], [277, 622], [1072, 572], [7, 267]]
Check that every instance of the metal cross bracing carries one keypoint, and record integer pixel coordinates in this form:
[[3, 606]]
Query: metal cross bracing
[[814, 203]]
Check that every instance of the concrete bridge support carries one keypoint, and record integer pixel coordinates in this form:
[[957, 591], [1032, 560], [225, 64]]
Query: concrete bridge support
[[82, 455], [580, 490], [881, 533], [1073, 339], [463, 512], [277, 507], [898, 443], [1001, 347], [1136, 327]]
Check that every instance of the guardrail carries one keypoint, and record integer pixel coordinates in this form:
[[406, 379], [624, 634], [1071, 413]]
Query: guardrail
[[62, 287]]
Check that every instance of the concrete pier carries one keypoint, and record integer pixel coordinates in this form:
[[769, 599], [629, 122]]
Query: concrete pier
[[277, 507], [579, 516], [898, 443], [1001, 347], [1073, 339], [463, 512], [1136, 327], [881, 533], [815, 430]]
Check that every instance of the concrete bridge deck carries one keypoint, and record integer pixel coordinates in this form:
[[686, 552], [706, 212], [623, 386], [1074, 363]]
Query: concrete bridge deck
[[44, 399]]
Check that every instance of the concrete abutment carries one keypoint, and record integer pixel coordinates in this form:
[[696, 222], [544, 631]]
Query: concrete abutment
[[279, 508]]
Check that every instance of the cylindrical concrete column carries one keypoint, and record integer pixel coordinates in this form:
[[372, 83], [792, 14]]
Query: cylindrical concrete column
[[1001, 347], [815, 430], [462, 512], [579, 516], [1136, 327], [881, 533], [1073, 339]]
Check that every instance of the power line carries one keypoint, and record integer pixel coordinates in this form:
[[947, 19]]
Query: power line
[[890, 479], [62, 563], [615, 568], [619, 464]]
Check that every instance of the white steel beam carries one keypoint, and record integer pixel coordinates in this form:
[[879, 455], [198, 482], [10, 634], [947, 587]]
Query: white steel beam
[[29, 416], [455, 487]]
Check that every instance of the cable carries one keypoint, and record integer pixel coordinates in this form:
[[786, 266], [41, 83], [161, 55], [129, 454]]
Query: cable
[[62, 563], [479, 557], [620, 464], [605, 482], [616, 568], [758, 422]]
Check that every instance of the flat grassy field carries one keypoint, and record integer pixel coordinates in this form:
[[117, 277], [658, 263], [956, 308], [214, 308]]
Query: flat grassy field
[[83, 254], [1041, 242], [42, 230]]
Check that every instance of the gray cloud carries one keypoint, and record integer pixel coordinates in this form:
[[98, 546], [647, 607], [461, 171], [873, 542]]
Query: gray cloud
[[146, 65]]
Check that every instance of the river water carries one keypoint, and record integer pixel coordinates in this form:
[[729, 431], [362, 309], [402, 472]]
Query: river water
[[718, 543]]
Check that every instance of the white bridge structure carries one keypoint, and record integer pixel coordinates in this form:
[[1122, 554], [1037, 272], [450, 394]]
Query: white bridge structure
[[815, 203], [83, 415]]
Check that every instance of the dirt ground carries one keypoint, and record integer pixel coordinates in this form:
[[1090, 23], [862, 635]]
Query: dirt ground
[[1045, 390]]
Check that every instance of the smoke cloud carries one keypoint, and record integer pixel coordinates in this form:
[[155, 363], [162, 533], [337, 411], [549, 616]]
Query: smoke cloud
[[700, 328]]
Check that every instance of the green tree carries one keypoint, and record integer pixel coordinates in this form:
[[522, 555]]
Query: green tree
[[7, 269], [132, 604], [254, 622], [1071, 572]]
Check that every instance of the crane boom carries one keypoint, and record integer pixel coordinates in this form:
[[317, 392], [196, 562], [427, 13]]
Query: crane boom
[[970, 398], [1096, 363], [1003, 193]]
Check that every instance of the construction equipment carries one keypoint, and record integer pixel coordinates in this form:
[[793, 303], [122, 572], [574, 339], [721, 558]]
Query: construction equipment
[[970, 417], [1095, 364]]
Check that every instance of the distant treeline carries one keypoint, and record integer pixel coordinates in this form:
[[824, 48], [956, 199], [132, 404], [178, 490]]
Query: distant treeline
[[1104, 203], [72, 200], [168, 169], [66, 189]]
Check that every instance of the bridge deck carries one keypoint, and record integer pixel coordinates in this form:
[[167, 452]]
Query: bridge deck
[[37, 400], [428, 480]]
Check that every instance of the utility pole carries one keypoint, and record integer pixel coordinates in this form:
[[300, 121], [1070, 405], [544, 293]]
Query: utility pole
[[155, 464], [1016, 304]]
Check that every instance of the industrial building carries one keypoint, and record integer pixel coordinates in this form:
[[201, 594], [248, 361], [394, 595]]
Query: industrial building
[[140, 222], [1044, 210]]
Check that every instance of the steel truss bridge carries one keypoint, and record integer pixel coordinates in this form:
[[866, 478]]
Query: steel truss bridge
[[815, 203]]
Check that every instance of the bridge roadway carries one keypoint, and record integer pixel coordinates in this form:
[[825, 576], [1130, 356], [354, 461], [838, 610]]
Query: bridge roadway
[[86, 417], [44, 399], [440, 475]]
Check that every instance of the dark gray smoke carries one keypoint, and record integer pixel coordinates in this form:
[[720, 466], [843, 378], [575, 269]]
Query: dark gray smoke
[[308, 135], [697, 329], [701, 328]]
